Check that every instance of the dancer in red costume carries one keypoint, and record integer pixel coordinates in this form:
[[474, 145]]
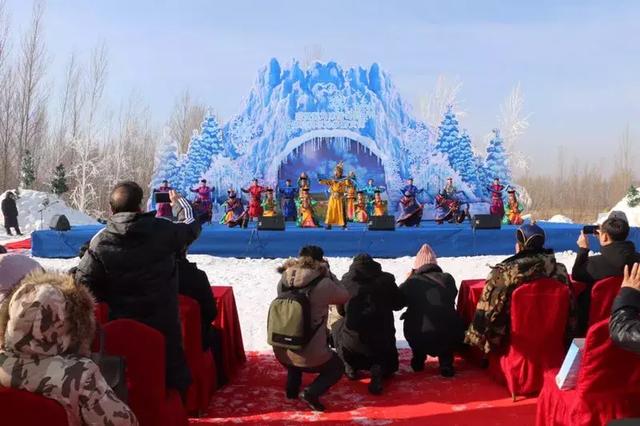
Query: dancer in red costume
[[255, 198]]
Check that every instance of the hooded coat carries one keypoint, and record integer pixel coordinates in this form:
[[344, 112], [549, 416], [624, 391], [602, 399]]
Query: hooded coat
[[10, 212], [46, 330], [131, 266], [298, 273], [431, 324], [366, 336]]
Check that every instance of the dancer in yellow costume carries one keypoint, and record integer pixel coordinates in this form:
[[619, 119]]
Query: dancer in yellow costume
[[269, 205], [379, 205], [335, 209]]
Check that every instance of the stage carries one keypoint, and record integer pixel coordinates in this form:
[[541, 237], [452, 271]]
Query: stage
[[448, 240]]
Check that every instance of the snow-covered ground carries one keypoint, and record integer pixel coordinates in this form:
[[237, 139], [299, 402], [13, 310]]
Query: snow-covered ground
[[29, 217], [560, 219], [633, 213], [254, 282]]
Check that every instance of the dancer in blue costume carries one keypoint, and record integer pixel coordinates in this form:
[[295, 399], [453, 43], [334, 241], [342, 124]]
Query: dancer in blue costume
[[288, 196], [411, 188], [370, 191], [410, 210]]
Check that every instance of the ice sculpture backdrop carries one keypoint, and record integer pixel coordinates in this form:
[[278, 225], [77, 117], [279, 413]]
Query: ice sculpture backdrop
[[297, 119]]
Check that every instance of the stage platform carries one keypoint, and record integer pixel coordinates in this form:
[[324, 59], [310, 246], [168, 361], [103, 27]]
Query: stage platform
[[447, 240]]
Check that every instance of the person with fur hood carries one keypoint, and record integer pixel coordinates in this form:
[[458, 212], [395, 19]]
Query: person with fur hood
[[46, 329], [315, 357]]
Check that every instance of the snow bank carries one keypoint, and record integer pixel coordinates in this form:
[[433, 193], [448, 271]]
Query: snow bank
[[31, 202], [633, 213], [560, 219], [254, 283]]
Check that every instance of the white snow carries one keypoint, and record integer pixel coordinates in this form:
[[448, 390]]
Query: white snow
[[633, 213], [29, 217], [560, 219], [254, 282]]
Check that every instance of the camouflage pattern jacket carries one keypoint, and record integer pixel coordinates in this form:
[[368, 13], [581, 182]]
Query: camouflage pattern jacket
[[490, 325], [46, 329]]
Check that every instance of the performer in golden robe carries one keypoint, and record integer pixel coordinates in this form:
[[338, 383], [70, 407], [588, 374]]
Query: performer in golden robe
[[361, 215], [269, 204], [379, 205], [306, 215], [350, 195], [335, 208], [513, 210]]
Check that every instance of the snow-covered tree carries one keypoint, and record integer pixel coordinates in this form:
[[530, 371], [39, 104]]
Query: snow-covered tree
[[167, 162], [28, 170], [462, 160], [443, 97], [448, 134], [497, 161], [202, 148], [482, 176], [633, 196], [59, 182], [513, 123]]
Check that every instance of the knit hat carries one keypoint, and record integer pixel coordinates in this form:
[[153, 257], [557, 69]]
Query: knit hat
[[425, 256], [13, 268]]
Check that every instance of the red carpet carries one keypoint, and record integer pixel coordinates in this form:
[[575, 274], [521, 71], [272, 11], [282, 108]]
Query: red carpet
[[471, 398], [19, 245]]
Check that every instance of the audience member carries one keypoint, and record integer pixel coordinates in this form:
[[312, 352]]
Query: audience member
[[431, 324], [615, 253], [131, 266], [2, 249], [624, 325], [365, 338], [532, 261], [46, 329], [13, 268], [316, 357], [10, 213]]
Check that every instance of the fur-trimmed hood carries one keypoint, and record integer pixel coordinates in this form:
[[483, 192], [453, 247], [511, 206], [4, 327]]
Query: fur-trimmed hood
[[48, 314], [301, 271]]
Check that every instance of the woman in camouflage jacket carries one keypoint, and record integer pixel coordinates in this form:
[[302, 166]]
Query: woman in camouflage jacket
[[46, 329]]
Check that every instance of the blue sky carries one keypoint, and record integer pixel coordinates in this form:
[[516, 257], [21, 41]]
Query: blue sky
[[578, 61]]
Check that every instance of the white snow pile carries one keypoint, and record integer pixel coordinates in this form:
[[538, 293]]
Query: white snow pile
[[560, 219], [633, 213], [254, 283], [31, 202]]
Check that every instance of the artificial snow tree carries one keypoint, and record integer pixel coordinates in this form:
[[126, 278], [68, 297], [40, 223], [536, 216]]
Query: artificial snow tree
[[167, 163], [202, 148], [28, 170], [448, 135], [496, 163], [463, 161], [59, 182], [633, 196]]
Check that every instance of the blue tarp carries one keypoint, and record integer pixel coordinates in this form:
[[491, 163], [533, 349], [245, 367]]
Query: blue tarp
[[447, 240]]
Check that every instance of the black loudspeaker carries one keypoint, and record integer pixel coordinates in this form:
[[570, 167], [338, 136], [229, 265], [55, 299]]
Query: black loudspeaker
[[271, 223], [59, 222], [486, 221], [382, 223]]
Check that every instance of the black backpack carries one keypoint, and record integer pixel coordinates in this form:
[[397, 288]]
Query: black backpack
[[289, 320]]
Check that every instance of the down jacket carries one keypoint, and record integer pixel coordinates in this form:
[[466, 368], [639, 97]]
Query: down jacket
[[46, 329], [624, 325]]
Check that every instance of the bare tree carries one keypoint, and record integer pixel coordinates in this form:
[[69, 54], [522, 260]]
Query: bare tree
[[7, 104], [84, 173], [69, 114], [31, 96], [513, 123], [96, 83], [187, 115], [435, 103]]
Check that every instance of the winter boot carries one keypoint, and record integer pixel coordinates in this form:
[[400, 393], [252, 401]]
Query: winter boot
[[417, 364], [375, 387], [312, 401]]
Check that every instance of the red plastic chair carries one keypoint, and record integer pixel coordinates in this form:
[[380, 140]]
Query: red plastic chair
[[20, 407], [143, 348], [539, 314], [101, 311], [200, 362], [608, 386], [603, 293]]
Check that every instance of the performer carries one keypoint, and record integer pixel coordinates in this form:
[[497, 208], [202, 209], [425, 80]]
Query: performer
[[497, 205], [303, 181], [410, 210], [447, 208], [513, 210], [202, 204], [235, 213], [269, 205], [335, 209], [255, 198], [370, 191], [350, 195], [288, 195], [450, 189], [411, 188], [378, 205], [360, 214], [306, 214], [163, 209]]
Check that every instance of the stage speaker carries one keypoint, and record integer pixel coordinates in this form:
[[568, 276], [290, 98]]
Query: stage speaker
[[382, 223], [59, 222], [486, 221], [271, 223]]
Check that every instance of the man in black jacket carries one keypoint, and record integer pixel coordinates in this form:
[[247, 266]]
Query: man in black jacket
[[616, 253], [10, 213], [624, 325], [131, 266]]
